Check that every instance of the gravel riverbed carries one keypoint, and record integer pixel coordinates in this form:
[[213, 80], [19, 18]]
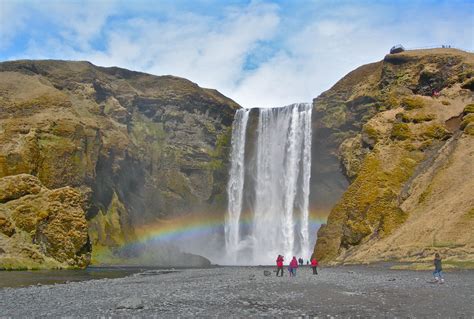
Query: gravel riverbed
[[340, 292]]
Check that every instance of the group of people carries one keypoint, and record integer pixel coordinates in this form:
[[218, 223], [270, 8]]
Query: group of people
[[293, 265]]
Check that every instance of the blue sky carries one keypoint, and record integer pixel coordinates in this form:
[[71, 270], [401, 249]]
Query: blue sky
[[260, 53]]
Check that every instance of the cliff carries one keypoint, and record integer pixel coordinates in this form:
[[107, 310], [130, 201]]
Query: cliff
[[402, 129], [138, 148]]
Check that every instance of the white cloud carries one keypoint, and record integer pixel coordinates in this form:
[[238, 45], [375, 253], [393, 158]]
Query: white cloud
[[12, 18], [295, 54]]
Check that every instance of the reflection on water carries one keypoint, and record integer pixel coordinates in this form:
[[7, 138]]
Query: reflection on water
[[48, 277]]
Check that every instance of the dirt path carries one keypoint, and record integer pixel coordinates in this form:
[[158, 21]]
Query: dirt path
[[245, 292]]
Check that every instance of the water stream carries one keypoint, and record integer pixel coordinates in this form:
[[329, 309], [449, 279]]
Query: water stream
[[269, 183]]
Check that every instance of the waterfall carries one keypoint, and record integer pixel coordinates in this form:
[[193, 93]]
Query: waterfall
[[279, 168], [235, 185]]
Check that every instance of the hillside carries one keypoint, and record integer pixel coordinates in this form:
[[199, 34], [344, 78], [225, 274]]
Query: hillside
[[137, 148], [403, 129]]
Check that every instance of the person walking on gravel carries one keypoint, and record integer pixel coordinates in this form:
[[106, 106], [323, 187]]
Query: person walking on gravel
[[293, 266], [279, 262], [438, 272], [314, 265]]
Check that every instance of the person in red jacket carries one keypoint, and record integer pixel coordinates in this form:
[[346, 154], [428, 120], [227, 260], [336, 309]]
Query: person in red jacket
[[293, 266], [279, 262], [314, 265]]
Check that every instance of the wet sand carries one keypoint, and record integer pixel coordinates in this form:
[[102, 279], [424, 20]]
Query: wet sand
[[355, 291]]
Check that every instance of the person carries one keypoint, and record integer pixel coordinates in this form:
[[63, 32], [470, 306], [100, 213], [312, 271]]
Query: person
[[279, 262], [293, 266], [438, 272], [300, 261], [314, 265]]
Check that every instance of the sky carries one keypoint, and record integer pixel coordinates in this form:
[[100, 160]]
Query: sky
[[259, 53]]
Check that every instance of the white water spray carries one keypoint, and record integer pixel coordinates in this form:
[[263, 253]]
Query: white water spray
[[280, 168]]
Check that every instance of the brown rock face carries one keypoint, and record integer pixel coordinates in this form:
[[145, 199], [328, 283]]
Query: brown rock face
[[396, 142], [140, 148], [14, 187], [43, 229]]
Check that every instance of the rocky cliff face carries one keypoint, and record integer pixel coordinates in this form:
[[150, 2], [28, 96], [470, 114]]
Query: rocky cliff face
[[139, 148], [402, 129], [41, 228]]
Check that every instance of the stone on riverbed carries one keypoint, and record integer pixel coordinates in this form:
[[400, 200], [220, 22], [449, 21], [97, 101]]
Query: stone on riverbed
[[131, 303]]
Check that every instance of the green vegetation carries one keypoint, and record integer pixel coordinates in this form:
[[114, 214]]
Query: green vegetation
[[370, 132], [44, 101], [469, 108], [392, 101], [447, 265], [459, 264], [335, 116], [467, 123], [436, 131], [467, 120], [370, 204], [400, 131], [412, 103]]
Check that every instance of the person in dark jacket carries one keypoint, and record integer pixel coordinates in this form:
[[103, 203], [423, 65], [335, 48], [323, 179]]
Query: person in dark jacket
[[438, 272], [314, 265], [279, 262]]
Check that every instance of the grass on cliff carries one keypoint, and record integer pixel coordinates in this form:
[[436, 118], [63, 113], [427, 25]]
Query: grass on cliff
[[448, 265], [412, 103], [369, 207]]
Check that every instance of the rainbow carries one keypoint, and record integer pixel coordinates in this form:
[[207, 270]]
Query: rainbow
[[197, 225]]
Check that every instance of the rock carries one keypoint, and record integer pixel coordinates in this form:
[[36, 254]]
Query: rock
[[13, 187], [144, 148], [6, 227], [267, 273], [47, 225], [131, 303]]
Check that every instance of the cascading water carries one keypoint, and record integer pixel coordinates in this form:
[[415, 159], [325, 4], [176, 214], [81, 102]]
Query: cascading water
[[235, 185], [279, 171]]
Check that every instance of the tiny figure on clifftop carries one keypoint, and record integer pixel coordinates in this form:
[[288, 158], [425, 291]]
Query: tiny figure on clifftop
[[438, 272], [279, 263], [292, 267], [314, 265]]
